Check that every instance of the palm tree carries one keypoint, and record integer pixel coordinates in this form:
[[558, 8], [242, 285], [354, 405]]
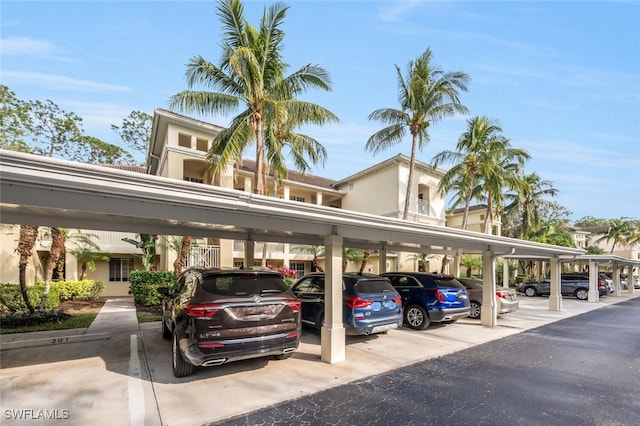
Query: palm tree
[[485, 165], [421, 258], [58, 237], [529, 202], [426, 95], [87, 253], [351, 254], [470, 263], [315, 250], [252, 75], [618, 232], [26, 241]]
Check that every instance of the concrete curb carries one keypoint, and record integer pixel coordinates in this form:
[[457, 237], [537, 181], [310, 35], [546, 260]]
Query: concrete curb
[[53, 340]]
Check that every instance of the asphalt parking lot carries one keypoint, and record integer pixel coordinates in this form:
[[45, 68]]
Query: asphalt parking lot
[[121, 373]]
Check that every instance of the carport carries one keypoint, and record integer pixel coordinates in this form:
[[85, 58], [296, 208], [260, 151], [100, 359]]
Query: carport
[[50, 192]]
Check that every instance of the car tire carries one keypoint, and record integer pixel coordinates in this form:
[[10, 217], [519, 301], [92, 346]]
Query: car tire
[[582, 294], [166, 332], [181, 368], [474, 312], [530, 291], [416, 317]]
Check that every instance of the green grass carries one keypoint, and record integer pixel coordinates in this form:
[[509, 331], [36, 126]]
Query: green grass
[[75, 321], [147, 317]]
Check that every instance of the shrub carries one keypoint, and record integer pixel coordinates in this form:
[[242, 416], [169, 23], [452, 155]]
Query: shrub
[[79, 290], [144, 286], [11, 298], [26, 319]]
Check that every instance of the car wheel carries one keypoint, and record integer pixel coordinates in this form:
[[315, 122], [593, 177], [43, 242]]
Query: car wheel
[[582, 294], [166, 332], [530, 291], [181, 368], [475, 310], [415, 316]]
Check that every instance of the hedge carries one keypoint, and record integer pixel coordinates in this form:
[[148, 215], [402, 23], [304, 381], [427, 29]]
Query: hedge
[[59, 291], [144, 286]]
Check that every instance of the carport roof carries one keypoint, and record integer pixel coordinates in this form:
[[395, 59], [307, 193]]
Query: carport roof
[[51, 192]]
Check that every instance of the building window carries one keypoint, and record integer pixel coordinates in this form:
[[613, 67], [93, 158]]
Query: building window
[[294, 198], [184, 140], [298, 267], [119, 268]]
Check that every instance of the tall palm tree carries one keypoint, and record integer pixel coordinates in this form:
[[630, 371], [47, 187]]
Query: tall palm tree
[[618, 231], [58, 237], [528, 202], [486, 164], [26, 241], [251, 75], [315, 250], [426, 95]]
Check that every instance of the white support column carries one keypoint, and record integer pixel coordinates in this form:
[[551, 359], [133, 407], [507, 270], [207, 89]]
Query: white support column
[[488, 312], [630, 288], [505, 272], [455, 266], [555, 296], [616, 279], [286, 190], [594, 295], [319, 198], [382, 261], [332, 335], [249, 253]]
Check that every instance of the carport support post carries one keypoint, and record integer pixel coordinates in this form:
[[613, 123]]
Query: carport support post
[[594, 295], [382, 261], [555, 296], [616, 279], [332, 334], [488, 311], [505, 272], [249, 253], [630, 287]]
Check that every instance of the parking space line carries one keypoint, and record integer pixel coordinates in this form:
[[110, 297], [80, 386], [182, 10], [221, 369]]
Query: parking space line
[[136, 392]]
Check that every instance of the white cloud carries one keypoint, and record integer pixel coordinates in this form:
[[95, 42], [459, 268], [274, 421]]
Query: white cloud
[[58, 82], [27, 46]]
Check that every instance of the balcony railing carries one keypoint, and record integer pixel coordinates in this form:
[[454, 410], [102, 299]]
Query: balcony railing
[[203, 255]]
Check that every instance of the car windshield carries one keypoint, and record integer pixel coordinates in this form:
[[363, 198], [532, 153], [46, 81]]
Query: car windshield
[[373, 286], [243, 285]]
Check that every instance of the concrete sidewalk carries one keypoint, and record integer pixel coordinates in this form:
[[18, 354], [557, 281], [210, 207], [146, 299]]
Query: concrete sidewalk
[[116, 316]]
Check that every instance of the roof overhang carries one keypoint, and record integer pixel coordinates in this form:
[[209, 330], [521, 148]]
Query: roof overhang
[[51, 192]]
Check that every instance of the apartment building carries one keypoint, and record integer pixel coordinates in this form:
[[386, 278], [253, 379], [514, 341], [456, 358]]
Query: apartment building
[[178, 150]]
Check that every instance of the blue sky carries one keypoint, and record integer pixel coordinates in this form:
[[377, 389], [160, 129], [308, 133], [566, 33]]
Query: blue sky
[[561, 78]]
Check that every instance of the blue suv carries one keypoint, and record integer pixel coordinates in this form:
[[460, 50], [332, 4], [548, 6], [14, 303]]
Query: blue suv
[[428, 298], [370, 303]]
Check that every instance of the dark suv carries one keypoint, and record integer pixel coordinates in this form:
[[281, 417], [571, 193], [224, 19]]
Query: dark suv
[[428, 298], [576, 285], [215, 316], [370, 303]]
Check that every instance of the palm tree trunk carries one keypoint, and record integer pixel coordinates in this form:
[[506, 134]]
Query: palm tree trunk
[[365, 256], [412, 164], [57, 247], [26, 242], [316, 264], [259, 178], [181, 260]]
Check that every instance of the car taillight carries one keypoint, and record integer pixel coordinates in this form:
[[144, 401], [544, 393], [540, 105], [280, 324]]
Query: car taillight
[[203, 310], [397, 300], [293, 304], [600, 283], [502, 294], [211, 345], [440, 296], [357, 302]]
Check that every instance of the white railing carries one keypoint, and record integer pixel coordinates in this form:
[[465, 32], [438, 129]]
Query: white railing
[[207, 256]]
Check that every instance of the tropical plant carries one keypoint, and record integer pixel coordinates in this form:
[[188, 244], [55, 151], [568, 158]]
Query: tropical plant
[[351, 255], [251, 75], [426, 94], [421, 258], [528, 203], [58, 237], [315, 250], [618, 231], [486, 164], [86, 251], [555, 232], [470, 263], [147, 244], [594, 250]]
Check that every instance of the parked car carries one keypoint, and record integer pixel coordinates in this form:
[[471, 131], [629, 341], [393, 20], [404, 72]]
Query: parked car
[[506, 298], [570, 285], [370, 304], [428, 298], [214, 316]]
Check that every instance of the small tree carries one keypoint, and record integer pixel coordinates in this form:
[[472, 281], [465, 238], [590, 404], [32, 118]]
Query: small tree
[[147, 244], [470, 262], [315, 250]]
